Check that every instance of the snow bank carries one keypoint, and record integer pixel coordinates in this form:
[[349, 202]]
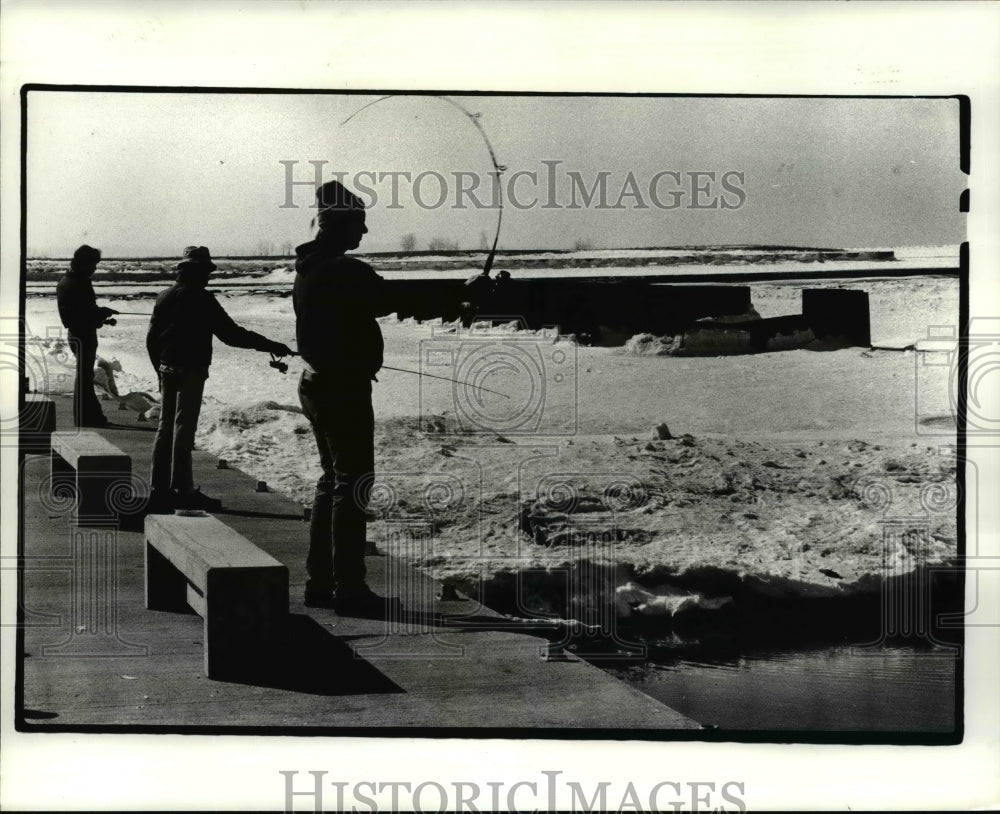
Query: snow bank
[[649, 345]]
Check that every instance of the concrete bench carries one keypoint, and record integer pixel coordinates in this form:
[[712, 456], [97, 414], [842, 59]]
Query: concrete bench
[[100, 473], [240, 591], [36, 422]]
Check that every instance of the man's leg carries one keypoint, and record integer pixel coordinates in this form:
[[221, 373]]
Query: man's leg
[[163, 446], [319, 562], [86, 407], [343, 424], [76, 346], [189, 393], [91, 405], [354, 465]]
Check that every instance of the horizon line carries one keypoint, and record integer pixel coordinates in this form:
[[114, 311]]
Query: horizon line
[[461, 252]]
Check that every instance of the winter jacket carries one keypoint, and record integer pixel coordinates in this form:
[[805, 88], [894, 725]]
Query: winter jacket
[[78, 308], [185, 318], [336, 300]]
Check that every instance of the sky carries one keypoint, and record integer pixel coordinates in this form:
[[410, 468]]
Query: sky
[[145, 174]]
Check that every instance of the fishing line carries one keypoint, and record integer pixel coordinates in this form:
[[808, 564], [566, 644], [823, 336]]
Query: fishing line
[[445, 378]]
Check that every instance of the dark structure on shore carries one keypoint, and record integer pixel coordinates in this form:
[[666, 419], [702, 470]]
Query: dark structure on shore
[[605, 311]]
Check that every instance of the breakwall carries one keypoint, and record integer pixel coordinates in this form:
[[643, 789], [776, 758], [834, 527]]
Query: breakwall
[[830, 318], [597, 311], [517, 261], [709, 319]]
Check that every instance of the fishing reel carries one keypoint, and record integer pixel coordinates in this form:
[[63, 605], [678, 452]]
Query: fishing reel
[[277, 364]]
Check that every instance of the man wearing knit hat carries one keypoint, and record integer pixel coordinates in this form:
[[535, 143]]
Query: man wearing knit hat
[[337, 299], [81, 316], [179, 342]]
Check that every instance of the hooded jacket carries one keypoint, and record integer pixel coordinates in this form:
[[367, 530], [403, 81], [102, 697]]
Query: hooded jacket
[[336, 300], [185, 318]]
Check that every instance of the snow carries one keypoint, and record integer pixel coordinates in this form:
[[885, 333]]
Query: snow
[[767, 480], [277, 276]]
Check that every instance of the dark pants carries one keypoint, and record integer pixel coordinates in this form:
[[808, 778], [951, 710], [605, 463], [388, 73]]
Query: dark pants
[[86, 406], [180, 406], [340, 411]]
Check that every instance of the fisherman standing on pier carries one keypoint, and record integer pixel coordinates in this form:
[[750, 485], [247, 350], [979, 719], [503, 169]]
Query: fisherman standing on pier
[[179, 342], [81, 316], [337, 299]]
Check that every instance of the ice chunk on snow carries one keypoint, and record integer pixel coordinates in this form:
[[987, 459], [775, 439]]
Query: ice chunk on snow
[[633, 599]]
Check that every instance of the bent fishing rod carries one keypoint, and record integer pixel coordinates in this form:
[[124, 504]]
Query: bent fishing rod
[[498, 168]]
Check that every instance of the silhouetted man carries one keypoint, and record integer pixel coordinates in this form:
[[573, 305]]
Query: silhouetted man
[[336, 300], [81, 316], [179, 341]]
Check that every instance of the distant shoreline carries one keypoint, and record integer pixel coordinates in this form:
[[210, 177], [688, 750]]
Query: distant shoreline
[[515, 261], [702, 265], [462, 253]]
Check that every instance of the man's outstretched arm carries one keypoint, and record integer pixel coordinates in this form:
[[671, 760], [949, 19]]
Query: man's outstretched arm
[[232, 334]]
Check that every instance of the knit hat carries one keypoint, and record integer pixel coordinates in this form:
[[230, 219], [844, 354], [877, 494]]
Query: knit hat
[[334, 195], [196, 257], [85, 257], [336, 203]]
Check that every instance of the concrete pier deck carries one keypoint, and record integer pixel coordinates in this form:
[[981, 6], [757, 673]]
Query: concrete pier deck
[[94, 658]]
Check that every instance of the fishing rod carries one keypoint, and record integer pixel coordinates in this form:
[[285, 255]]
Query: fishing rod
[[275, 363], [444, 378], [282, 367], [112, 321], [498, 168]]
